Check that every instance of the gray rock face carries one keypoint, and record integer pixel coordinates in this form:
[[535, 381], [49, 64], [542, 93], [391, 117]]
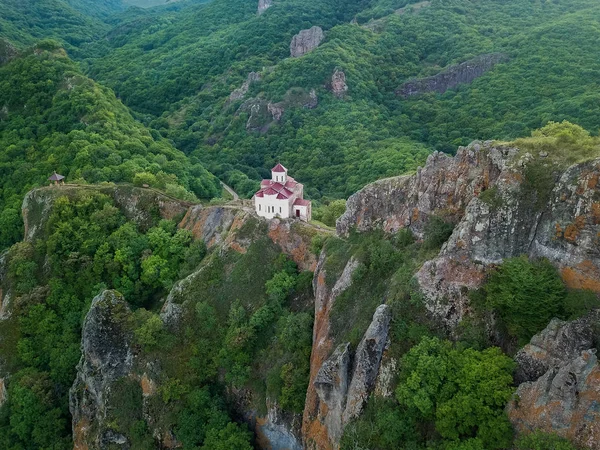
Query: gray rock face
[[503, 223], [338, 83], [341, 383], [367, 361], [106, 357], [563, 401], [263, 5], [445, 184], [278, 432], [306, 41], [558, 344], [452, 76], [240, 92], [331, 385]]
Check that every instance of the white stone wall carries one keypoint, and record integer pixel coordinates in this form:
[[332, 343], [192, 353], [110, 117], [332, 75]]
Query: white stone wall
[[269, 207], [305, 212]]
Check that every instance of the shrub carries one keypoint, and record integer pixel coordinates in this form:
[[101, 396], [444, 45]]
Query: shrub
[[437, 231], [526, 294], [539, 440], [462, 391]]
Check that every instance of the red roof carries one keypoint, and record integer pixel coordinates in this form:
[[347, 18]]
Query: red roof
[[290, 184], [265, 183], [260, 194], [301, 202], [281, 196], [277, 186], [270, 191], [278, 168]]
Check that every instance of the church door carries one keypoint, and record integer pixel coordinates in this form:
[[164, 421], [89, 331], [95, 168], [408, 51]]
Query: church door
[[297, 213]]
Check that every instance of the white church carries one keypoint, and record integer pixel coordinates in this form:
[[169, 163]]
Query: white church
[[281, 196]]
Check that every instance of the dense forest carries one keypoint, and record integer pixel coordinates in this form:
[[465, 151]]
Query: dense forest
[[120, 96]]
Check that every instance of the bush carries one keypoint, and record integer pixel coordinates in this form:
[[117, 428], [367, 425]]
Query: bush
[[539, 440], [463, 392], [437, 231], [526, 294]]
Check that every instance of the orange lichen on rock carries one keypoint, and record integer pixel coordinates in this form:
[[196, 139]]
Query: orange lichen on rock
[[585, 275], [79, 435], [596, 213], [563, 401], [148, 386], [593, 181], [572, 230]]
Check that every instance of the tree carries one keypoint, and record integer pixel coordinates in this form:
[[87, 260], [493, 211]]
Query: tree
[[526, 294], [463, 392]]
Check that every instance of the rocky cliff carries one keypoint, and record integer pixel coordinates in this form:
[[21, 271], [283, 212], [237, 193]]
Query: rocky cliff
[[142, 206], [306, 41], [498, 213], [107, 356], [452, 76], [562, 391], [342, 380]]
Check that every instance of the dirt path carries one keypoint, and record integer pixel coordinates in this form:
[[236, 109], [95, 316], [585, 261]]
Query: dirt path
[[231, 191]]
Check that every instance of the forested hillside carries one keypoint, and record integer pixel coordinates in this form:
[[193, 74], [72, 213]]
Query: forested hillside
[[181, 69], [53, 118], [454, 146]]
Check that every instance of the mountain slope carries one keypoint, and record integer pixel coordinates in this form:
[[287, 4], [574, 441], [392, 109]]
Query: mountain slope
[[191, 63], [55, 119]]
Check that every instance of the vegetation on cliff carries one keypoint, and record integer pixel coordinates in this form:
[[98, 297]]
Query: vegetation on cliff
[[52, 118]]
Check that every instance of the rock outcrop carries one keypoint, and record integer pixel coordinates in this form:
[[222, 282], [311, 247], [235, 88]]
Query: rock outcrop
[[263, 114], [452, 76], [240, 92], [8, 52], [367, 360], [340, 382], [445, 185], [3, 393], [223, 226], [331, 385], [137, 204], [505, 222], [306, 41], [263, 5], [106, 357], [558, 344], [338, 83], [563, 401]]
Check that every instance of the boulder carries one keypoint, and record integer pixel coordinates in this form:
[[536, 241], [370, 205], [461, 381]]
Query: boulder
[[563, 401], [559, 343], [306, 41]]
